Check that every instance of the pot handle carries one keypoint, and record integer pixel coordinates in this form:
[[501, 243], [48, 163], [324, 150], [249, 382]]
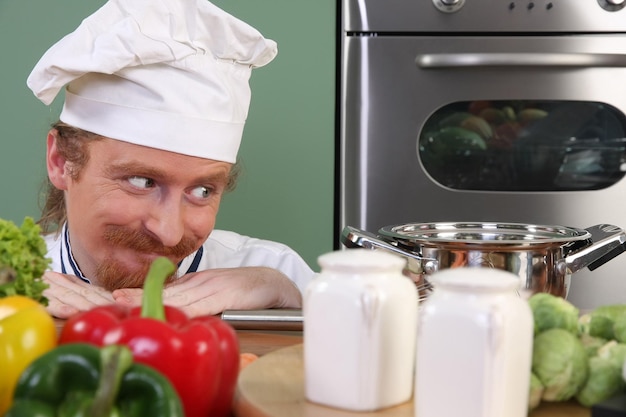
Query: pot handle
[[608, 241], [352, 237]]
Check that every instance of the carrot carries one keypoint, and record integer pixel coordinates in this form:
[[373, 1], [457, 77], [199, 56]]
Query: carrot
[[246, 359]]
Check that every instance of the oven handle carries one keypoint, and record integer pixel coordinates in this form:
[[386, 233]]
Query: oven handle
[[464, 60]]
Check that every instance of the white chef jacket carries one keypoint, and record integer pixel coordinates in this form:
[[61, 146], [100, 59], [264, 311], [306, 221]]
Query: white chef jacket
[[223, 249]]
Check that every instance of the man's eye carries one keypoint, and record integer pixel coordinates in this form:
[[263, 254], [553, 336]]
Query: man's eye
[[201, 192], [141, 182]]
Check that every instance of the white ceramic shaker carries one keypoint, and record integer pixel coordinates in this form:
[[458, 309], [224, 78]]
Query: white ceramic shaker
[[360, 318], [474, 346]]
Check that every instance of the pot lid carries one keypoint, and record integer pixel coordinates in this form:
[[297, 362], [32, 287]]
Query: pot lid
[[484, 233]]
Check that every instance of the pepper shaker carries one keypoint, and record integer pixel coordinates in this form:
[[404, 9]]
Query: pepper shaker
[[360, 317], [474, 346]]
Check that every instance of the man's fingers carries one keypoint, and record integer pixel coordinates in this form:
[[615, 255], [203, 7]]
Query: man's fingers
[[67, 295]]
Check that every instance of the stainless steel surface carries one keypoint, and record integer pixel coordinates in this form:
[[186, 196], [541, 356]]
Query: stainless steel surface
[[402, 61], [485, 233], [270, 319], [608, 242], [416, 264], [543, 257], [546, 16], [385, 106], [512, 59]]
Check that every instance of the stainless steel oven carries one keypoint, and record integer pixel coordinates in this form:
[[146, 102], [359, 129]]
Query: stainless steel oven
[[486, 110]]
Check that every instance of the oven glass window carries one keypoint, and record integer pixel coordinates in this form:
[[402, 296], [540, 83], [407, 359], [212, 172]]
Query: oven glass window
[[524, 146]]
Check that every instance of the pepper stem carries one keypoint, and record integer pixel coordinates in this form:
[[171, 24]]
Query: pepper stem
[[152, 301], [115, 360]]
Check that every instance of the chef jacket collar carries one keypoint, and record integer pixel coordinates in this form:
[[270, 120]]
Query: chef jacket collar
[[70, 266]]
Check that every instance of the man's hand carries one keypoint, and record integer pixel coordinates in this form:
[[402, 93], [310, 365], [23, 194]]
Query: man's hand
[[67, 295], [213, 291]]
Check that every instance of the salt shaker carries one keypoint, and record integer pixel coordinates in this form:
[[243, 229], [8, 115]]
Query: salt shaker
[[474, 346], [360, 317]]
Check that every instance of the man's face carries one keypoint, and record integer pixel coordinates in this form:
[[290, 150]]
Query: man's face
[[132, 204]]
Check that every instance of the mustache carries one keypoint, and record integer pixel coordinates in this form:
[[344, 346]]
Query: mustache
[[142, 242]]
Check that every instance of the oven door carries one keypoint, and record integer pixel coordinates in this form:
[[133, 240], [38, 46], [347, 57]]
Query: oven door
[[566, 167]]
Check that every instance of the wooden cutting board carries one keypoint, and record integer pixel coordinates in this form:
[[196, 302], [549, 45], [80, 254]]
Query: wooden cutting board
[[273, 386]]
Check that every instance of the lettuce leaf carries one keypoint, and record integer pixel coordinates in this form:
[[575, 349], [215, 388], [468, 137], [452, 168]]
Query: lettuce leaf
[[22, 260]]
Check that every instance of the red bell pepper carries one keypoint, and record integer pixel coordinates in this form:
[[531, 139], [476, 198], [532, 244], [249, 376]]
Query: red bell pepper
[[200, 356]]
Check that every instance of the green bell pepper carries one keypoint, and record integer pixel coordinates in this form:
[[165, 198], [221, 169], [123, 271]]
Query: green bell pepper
[[82, 380]]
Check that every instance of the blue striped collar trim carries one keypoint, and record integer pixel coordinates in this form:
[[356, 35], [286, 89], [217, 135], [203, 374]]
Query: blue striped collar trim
[[67, 259]]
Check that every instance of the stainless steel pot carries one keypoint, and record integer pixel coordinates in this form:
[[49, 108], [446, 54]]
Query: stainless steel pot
[[544, 257]]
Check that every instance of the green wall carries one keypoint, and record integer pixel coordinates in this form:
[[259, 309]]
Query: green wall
[[286, 190]]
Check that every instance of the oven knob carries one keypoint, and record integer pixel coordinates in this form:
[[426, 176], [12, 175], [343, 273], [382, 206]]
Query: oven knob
[[612, 5], [448, 6]]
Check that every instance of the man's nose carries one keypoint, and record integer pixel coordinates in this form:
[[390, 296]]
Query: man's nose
[[166, 223]]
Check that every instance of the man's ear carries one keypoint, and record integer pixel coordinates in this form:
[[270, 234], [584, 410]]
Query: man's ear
[[57, 170]]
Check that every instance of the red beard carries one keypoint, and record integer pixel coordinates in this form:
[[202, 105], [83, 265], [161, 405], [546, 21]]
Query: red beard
[[113, 275]]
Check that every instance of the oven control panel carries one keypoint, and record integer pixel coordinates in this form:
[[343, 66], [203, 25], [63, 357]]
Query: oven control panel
[[485, 16], [448, 6], [452, 6], [612, 5]]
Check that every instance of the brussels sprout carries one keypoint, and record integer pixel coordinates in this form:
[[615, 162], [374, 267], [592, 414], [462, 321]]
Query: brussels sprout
[[605, 374], [591, 343], [604, 381], [536, 391], [608, 322], [560, 362], [612, 311], [601, 326], [619, 329], [550, 312], [614, 351]]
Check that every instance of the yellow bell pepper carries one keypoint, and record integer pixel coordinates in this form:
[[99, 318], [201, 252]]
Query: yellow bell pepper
[[27, 331]]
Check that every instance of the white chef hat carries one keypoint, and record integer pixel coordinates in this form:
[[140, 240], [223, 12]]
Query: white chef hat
[[168, 74]]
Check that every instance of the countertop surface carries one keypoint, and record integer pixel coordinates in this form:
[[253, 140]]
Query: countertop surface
[[273, 386], [259, 342]]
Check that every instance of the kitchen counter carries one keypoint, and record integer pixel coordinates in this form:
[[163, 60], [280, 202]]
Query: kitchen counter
[[252, 341], [263, 342], [273, 386]]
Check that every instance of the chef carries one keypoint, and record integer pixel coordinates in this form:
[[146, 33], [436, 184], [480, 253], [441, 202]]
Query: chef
[[156, 96]]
